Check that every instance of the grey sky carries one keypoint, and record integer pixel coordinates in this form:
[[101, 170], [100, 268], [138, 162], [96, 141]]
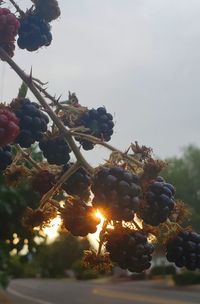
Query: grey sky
[[139, 58]]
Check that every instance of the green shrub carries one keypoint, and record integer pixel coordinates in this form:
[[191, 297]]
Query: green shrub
[[4, 279], [22, 269], [163, 270], [187, 278], [82, 273]]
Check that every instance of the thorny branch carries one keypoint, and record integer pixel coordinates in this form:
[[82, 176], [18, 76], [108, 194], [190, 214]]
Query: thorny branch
[[28, 158], [59, 183], [29, 82], [17, 7], [98, 141]]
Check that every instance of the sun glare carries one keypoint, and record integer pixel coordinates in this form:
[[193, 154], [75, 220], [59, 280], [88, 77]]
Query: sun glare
[[52, 230], [94, 238]]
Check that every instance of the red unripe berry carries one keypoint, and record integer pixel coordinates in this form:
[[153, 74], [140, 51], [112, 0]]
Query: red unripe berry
[[9, 26], [9, 127]]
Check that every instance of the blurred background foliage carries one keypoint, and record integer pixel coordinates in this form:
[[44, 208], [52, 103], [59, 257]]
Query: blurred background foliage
[[184, 173]]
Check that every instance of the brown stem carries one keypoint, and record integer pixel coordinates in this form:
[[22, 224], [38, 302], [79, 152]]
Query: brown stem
[[102, 234], [98, 141], [17, 7], [55, 204], [46, 94], [29, 82], [59, 183], [136, 225], [28, 158]]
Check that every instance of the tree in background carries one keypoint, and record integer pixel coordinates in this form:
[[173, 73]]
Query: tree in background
[[49, 260], [13, 235], [54, 259], [184, 172]]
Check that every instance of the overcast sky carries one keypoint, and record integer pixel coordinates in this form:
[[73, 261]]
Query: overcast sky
[[139, 58]]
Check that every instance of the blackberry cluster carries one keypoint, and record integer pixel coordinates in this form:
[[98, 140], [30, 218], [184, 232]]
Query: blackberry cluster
[[9, 26], [34, 33], [78, 183], [47, 9], [80, 219], [43, 181], [9, 126], [129, 249], [159, 202], [184, 250], [33, 123], [56, 150], [116, 192], [100, 124], [5, 157]]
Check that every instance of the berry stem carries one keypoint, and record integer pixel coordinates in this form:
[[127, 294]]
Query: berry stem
[[98, 141], [29, 82], [28, 158], [17, 7], [44, 91], [101, 236], [136, 225], [59, 183]]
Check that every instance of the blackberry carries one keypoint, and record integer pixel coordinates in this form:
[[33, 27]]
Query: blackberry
[[34, 33], [158, 202], [100, 124], [43, 181], [78, 183], [56, 150], [47, 9], [33, 123], [184, 250], [129, 249], [9, 26], [9, 126], [80, 219], [5, 157], [116, 193]]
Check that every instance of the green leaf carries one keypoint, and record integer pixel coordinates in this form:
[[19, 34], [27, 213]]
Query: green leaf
[[22, 90]]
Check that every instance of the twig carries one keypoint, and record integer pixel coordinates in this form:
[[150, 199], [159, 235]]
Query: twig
[[59, 183], [28, 158], [98, 141], [29, 81], [136, 225], [17, 7], [101, 236], [38, 85]]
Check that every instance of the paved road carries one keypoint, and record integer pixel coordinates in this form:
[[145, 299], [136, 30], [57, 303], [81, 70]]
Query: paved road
[[36, 291]]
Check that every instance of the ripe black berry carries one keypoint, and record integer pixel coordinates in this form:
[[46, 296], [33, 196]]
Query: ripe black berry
[[158, 202], [5, 157], [78, 183], [56, 150], [33, 123], [47, 9], [184, 250], [34, 33], [116, 193], [43, 181], [100, 124], [129, 249], [80, 219]]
